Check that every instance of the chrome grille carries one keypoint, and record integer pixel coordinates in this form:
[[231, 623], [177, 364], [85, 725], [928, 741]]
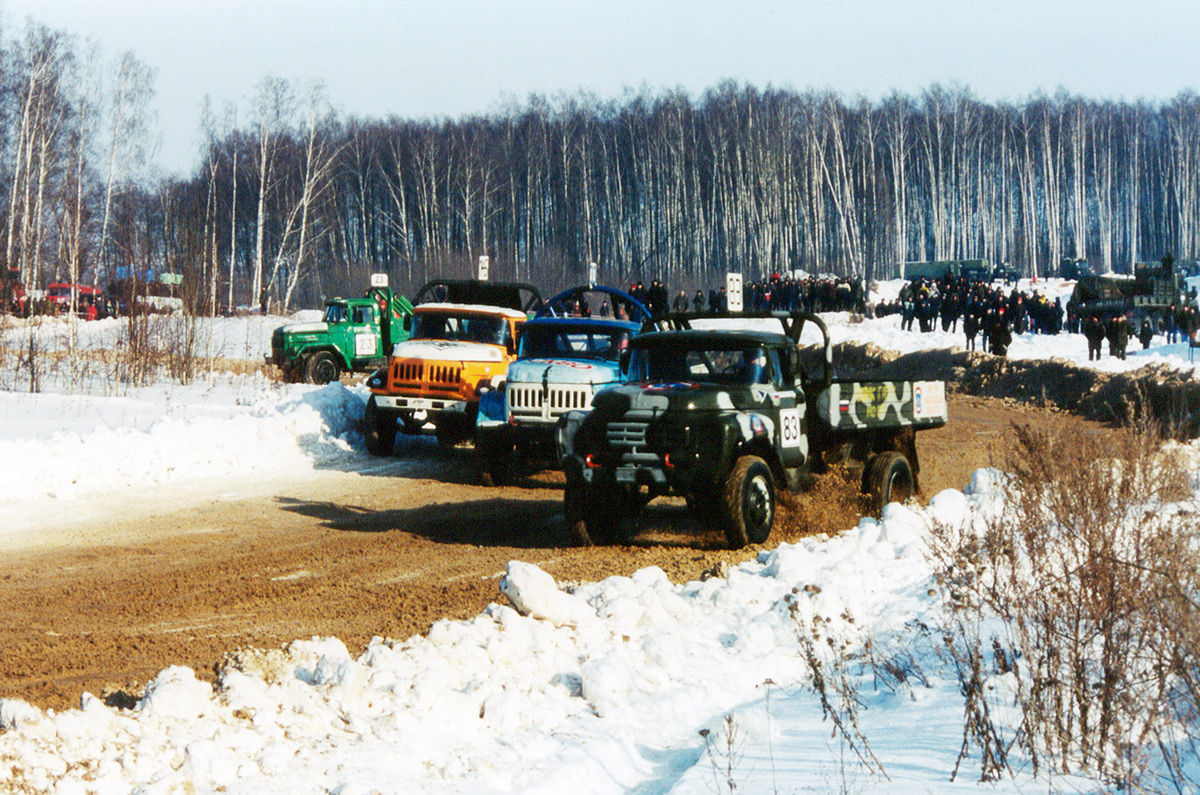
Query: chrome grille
[[546, 404]]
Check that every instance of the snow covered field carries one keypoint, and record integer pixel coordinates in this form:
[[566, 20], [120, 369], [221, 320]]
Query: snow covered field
[[631, 684]]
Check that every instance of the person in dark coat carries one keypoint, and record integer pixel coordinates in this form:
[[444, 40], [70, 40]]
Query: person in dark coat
[[999, 335], [657, 300], [1094, 330], [698, 301], [1118, 336], [1146, 333], [970, 326]]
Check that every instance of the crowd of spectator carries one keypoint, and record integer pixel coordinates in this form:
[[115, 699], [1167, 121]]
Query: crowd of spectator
[[989, 313]]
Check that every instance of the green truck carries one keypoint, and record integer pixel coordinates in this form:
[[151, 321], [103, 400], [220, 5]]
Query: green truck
[[353, 335]]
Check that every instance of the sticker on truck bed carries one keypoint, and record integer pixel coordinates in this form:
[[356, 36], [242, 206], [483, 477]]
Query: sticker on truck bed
[[789, 427], [929, 399]]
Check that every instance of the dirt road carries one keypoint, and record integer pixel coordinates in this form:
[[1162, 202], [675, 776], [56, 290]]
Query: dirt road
[[101, 598]]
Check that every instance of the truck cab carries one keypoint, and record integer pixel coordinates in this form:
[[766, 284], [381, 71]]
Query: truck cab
[[353, 335]]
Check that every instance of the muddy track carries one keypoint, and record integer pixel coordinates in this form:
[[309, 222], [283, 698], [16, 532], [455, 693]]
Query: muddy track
[[101, 598]]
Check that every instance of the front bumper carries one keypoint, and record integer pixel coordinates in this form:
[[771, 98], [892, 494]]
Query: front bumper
[[403, 403]]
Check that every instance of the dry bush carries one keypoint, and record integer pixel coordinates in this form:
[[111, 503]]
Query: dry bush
[[1082, 584]]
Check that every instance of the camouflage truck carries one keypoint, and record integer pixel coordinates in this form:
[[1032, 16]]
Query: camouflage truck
[[461, 339], [725, 416]]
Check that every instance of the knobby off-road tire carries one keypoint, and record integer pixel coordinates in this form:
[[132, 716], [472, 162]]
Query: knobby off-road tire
[[379, 430], [596, 517], [749, 502], [890, 479], [322, 368], [494, 458]]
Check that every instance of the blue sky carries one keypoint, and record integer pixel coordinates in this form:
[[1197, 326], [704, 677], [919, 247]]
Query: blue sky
[[458, 57]]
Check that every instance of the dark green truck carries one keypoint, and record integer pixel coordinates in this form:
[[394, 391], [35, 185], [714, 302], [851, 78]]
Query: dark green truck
[[353, 335], [725, 416]]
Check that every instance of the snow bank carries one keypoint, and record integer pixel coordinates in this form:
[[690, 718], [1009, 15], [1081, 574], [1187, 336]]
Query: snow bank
[[177, 434], [605, 689]]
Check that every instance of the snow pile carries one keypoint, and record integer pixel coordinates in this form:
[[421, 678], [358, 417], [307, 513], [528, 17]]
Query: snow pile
[[181, 434], [605, 689]]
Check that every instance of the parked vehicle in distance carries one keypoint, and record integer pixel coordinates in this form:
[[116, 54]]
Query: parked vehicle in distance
[[353, 335], [724, 416], [462, 337], [565, 356]]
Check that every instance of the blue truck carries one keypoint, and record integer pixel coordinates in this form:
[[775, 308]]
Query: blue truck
[[567, 353]]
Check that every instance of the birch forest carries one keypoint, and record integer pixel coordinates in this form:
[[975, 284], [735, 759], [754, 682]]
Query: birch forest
[[289, 197]]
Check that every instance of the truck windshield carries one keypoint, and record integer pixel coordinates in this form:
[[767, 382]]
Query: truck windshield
[[551, 342], [464, 326], [671, 363], [335, 313]]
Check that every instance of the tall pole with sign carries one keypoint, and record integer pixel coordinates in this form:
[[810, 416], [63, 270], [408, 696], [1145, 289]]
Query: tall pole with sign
[[733, 292]]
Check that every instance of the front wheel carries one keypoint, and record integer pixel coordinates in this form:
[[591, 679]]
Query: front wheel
[[494, 454], [597, 517], [749, 502], [889, 479], [379, 430], [322, 368]]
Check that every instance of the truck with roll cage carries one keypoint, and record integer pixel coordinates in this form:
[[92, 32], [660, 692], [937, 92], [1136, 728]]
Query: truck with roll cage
[[726, 415], [567, 353]]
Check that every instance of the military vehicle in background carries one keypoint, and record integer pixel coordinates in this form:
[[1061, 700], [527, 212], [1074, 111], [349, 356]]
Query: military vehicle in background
[[1152, 289], [979, 270]]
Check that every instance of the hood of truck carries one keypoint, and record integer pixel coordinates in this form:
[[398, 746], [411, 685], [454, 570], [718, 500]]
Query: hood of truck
[[563, 371], [305, 328], [682, 396], [448, 351]]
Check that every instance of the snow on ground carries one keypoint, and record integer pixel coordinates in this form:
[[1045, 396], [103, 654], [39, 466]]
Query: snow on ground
[[629, 684]]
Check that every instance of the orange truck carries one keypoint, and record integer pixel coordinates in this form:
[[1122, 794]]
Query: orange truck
[[462, 337]]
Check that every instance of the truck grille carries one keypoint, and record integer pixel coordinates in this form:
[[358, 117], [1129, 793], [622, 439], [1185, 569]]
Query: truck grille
[[533, 402], [628, 440], [417, 374]]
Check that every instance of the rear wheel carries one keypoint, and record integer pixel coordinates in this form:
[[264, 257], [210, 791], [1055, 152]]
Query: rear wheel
[[379, 430], [322, 368], [889, 479], [749, 502]]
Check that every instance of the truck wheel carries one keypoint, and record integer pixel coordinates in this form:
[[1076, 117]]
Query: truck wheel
[[749, 502], [596, 517], [379, 430], [494, 458], [889, 479], [322, 368]]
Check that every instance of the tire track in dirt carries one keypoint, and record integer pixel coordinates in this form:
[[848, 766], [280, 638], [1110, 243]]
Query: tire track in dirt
[[103, 598]]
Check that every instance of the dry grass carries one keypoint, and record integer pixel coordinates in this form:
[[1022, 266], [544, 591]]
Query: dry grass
[[1090, 570]]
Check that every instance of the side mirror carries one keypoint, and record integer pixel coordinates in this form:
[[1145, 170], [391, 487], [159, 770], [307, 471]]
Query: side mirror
[[624, 362]]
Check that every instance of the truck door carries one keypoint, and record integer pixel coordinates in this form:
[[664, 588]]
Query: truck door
[[793, 436], [364, 331]]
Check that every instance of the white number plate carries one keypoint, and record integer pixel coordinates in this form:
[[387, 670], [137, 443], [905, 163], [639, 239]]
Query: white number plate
[[789, 427]]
